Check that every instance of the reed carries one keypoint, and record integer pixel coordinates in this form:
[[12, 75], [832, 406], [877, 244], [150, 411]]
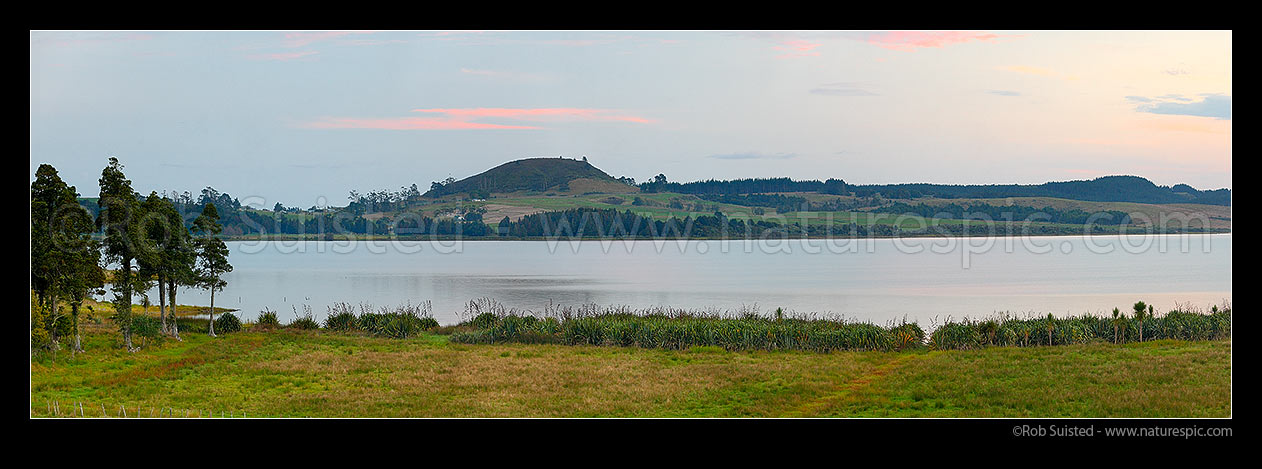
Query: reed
[[399, 322], [745, 329], [1182, 323], [668, 328], [305, 320]]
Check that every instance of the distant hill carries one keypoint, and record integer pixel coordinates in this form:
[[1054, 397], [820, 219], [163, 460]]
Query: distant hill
[[536, 174], [1102, 189]]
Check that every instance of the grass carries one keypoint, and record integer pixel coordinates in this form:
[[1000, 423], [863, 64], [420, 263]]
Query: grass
[[1152, 379], [295, 373], [106, 308]]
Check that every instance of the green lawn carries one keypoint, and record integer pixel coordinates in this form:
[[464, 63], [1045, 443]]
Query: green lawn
[[322, 374]]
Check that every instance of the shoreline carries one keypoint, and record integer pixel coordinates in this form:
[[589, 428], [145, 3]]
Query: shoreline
[[338, 238]]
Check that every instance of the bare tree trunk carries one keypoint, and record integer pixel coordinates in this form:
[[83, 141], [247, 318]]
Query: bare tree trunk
[[74, 317], [212, 312], [162, 304], [52, 332], [175, 323], [126, 327]]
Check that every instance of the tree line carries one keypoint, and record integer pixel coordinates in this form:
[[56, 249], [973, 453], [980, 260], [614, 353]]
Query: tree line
[[745, 186], [1019, 213], [145, 237], [1102, 189]]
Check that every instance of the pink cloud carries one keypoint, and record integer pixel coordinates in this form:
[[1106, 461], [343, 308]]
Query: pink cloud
[[467, 119], [448, 33], [406, 123], [294, 40], [284, 55], [797, 48], [374, 42], [536, 114], [79, 40], [909, 41], [490, 38]]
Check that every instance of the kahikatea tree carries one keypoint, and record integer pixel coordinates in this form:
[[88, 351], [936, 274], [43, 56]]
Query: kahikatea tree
[[48, 194], [119, 211], [84, 273], [164, 255], [64, 258], [212, 256], [181, 260], [88, 278]]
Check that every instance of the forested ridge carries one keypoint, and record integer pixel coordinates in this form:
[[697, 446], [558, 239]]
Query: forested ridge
[[1102, 189]]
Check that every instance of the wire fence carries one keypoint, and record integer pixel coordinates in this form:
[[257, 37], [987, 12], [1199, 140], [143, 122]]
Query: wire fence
[[79, 409]]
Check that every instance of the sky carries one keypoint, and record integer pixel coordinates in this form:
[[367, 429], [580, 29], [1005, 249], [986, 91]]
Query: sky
[[304, 117]]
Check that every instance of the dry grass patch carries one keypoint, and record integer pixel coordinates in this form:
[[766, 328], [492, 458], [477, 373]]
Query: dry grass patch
[[1153, 379]]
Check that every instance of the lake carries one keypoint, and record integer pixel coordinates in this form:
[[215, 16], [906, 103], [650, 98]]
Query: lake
[[877, 280]]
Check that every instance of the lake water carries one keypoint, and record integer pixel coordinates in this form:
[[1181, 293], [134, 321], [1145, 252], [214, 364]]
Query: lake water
[[875, 279]]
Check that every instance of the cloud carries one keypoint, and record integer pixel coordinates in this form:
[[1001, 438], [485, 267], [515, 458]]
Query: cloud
[[406, 123], [797, 48], [1139, 99], [490, 38], [448, 35], [909, 41], [752, 155], [1177, 70], [85, 39], [283, 56], [538, 114], [469, 119], [374, 42], [1003, 93], [295, 40], [842, 89], [1213, 105]]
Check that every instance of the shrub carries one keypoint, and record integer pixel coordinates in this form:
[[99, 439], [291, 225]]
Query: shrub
[[956, 336], [341, 318], [195, 325], [305, 321], [1179, 324], [681, 329], [227, 323], [485, 321], [267, 319], [40, 337], [401, 322], [146, 327], [907, 335]]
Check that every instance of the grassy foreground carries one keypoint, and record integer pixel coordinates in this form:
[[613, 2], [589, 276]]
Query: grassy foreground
[[289, 373]]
